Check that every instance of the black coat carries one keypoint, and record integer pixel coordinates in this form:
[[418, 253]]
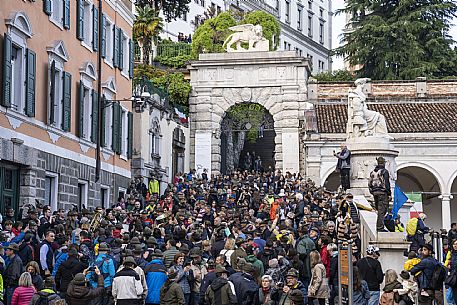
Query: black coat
[[13, 271], [67, 271]]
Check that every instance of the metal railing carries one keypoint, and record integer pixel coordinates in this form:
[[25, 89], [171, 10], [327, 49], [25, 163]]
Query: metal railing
[[173, 49]]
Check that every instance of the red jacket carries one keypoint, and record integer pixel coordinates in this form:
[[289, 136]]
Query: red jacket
[[325, 259], [22, 295]]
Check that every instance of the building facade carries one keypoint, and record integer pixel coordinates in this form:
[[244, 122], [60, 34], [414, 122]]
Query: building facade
[[306, 25], [160, 142], [50, 102], [422, 120]]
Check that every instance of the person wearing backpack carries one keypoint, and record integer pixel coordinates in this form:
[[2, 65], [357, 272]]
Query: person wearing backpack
[[430, 275], [67, 271], [415, 230], [379, 186], [47, 296], [106, 266]]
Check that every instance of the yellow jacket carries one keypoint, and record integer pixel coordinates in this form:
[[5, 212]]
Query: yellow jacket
[[447, 262], [410, 263], [399, 228], [154, 187]]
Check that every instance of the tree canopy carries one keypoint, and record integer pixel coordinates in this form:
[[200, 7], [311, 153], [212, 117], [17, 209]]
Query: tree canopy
[[400, 39], [171, 9], [210, 36]]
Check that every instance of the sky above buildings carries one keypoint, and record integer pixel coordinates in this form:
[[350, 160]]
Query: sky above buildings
[[338, 25]]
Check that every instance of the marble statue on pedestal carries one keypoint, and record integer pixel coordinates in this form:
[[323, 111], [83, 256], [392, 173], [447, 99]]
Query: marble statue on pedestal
[[363, 122], [247, 33]]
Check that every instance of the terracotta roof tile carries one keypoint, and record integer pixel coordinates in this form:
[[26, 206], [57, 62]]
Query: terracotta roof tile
[[401, 118]]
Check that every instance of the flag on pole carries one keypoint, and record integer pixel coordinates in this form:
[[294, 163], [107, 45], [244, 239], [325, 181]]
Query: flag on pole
[[399, 199]]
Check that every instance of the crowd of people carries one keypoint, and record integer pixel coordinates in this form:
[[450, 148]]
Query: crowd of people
[[246, 238]]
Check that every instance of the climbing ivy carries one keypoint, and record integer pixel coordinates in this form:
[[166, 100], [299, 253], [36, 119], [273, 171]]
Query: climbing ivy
[[247, 113]]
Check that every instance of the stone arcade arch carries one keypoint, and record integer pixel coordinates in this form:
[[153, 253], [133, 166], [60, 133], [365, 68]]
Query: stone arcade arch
[[275, 80]]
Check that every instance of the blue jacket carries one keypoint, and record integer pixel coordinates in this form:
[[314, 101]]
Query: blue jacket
[[156, 275], [107, 269], [60, 258], [427, 266]]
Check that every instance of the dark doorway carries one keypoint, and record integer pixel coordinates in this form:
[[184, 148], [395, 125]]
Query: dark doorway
[[9, 187], [247, 135]]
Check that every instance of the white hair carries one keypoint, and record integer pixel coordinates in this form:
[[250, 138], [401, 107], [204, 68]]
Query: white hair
[[299, 196]]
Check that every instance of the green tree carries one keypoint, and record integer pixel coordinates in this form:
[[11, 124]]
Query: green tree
[[209, 37], [400, 39], [335, 76], [176, 86], [270, 26], [171, 9], [146, 28]]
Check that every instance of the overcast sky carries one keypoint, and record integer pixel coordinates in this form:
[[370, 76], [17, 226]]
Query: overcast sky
[[338, 25]]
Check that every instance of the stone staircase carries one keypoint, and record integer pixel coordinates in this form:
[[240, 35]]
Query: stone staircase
[[263, 147]]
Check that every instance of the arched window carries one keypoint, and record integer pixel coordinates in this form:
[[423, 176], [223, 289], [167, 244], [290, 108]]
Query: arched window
[[154, 131]]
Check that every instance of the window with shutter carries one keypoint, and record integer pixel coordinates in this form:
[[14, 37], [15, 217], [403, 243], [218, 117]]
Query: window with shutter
[[131, 58], [58, 12], [121, 49], [81, 93], [95, 28], [52, 92], [104, 26], [66, 102], [30, 82], [103, 122], [130, 136], [115, 128], [94, 117], [7, 70], [116, 43], [47, 7], [66, 14], [80, 20]]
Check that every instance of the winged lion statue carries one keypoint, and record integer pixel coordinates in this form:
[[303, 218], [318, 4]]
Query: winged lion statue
[[246, 33]]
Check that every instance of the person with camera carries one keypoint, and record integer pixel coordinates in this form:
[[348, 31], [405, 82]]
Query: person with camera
[[281, 293], [79, 291]]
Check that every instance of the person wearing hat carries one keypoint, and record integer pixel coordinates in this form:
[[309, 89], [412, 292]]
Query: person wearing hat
[[280, 293], [220, 291], [424, 272], [107, 268], [79, 291], [67, 271], [156, 275], [371, 272], [47, 295], [239, 251], [245, 285], [409, 288], [13, 270], [127, 286], [379, 187], [199, 270], [171, 293], [296, 297]]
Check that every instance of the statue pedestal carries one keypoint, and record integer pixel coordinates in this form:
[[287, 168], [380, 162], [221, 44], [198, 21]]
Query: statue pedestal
[[364, 151]]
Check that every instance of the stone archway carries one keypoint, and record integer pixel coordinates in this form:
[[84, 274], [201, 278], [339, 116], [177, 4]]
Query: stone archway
[[275, 80]]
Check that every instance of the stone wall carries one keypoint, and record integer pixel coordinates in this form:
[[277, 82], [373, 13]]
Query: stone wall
[[385, 89]]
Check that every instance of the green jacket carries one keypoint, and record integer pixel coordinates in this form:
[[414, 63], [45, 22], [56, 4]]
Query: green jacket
[[171, 294], [220, 292], [257, 263]]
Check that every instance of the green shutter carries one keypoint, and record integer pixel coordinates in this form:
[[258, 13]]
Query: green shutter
[[80, 20], [103, 51], [66, 102], [52, 92], [30, 81], [66, 14], [47, 7], [95, 28], [95, 110], [102, 123], [131, 56], [116, 123], [130, 136], [7, 70], [121, 49], [81, 110], [116, 47]]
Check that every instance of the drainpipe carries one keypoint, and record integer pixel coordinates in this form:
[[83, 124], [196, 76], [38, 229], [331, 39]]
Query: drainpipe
[[99, 89]]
